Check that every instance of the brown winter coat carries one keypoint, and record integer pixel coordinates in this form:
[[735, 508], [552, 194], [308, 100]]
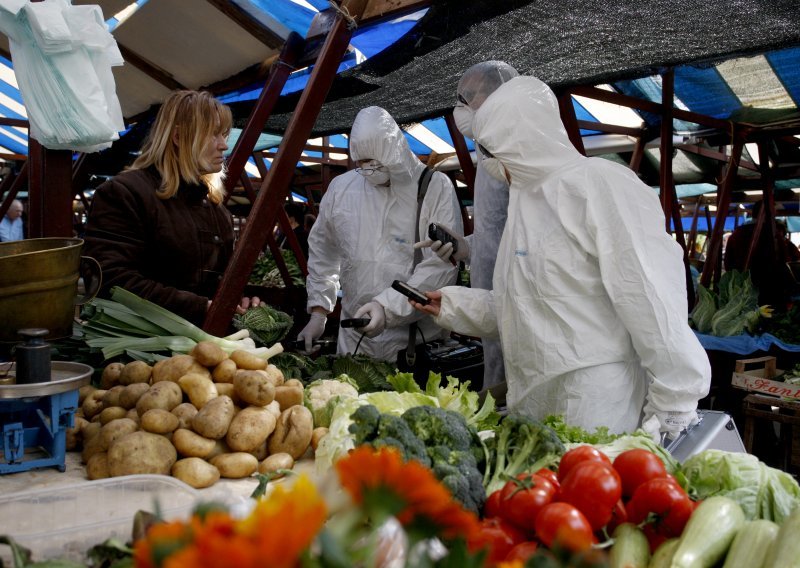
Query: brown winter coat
[[170, 251]]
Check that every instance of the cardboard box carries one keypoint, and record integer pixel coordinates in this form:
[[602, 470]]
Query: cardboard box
[[756, 375]]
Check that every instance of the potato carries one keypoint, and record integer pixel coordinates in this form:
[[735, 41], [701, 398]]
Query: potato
[[292, 432], [191, 444], [83, 392], [74, 436], [159, 421], [200, 389], [135, 372], [316, 435], [90, 430], [289, 395], [112, 413], [253, 388], [228, 390], [208, 353], [275, 375], [97, 466], [223, 373], [92, 446], [185, 412], [111, 374], [93, 403], [175, 367], [111, 398], [164, 395], [141, 452], [250, 428], [220, 447], [273, 463], [117, 429], [131, 394], [275, 408], [261, 452], [235, 465], [246, 360], [195, 472], [133, 415], [213, 419]]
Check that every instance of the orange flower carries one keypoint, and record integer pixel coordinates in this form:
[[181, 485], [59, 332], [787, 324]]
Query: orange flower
[[285, 523], [511, 564], [424, 503]]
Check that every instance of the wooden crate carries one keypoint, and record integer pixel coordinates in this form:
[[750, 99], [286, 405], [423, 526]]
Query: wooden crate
[[758, 407], [756, 375]]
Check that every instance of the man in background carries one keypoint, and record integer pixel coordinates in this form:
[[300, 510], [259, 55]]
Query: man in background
[[11, 223]]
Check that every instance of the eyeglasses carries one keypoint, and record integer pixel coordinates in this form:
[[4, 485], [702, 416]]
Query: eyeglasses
[[370, 171]]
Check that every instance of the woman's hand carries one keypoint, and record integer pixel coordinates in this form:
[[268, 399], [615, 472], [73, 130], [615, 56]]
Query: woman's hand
[[247, 303], [431, 308]]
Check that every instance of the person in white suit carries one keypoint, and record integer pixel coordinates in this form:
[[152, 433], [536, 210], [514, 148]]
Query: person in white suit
[[589, 296], [363, 240]]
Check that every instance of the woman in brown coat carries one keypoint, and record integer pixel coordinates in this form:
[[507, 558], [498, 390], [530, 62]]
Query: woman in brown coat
[[160, 229]]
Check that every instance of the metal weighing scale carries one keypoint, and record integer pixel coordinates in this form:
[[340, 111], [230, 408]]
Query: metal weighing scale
[[34, 418]]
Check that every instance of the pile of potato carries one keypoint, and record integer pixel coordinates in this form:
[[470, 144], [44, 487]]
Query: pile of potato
[[197, 417]]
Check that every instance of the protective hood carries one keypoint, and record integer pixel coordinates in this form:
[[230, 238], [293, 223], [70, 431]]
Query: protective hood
[[376, 136], [532, 144], [481, 80]]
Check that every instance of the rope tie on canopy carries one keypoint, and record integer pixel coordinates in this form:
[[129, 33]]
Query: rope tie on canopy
[[344, 13]]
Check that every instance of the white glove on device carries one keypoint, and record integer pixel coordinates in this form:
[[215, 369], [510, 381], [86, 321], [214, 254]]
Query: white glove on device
[[445, 250], [313, 331], [669, 423], [377, 318]]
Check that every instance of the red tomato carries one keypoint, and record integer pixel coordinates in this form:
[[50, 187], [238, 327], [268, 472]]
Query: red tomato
[[565, 525], [637, 466], [492, 506], [523, 497], [497, 536], [522, 551], [666, 500], [654, 538], [619, 515], [550, 475], [594, 488], [577, 455]]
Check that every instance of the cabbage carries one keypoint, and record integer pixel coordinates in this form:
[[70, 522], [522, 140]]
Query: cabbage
[[762, 491], [638, 439]]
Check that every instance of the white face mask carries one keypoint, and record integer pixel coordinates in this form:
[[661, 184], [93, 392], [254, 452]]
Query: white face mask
[[463, 115], [374, 173], [494, 168]]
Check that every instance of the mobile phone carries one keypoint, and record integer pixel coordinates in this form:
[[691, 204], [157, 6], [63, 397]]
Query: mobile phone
[[410, 292], [436, 233], [354, 322]]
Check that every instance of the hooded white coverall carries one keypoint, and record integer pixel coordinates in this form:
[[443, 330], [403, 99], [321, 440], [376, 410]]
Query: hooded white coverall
[[363, 238], [490, 206], [589, 295]]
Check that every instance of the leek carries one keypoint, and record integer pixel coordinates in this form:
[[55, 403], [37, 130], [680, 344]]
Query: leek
[[128, 323]]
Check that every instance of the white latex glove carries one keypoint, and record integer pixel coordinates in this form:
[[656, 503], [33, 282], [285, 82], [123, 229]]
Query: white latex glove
[[669, 423], [445, 251], [377, 318], [313, 331]]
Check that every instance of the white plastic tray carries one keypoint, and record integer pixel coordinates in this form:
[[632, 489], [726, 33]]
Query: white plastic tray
[[65, 521]]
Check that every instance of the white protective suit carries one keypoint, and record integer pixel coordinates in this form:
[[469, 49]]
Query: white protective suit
[[490, 205], [363, 238], [589, 293]]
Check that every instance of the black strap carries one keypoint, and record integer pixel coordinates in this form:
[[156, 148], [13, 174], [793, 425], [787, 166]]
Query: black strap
[[422, 189]]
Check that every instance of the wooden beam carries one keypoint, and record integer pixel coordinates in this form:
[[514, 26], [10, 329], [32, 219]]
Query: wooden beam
[[467, 167], [610, 128], [262, 109], [276, 184], [19, 122], [16, 185], [567, 110], [49, 192], [247, 22], [715, 155], [150, 69], [666, 180], [376, 11]]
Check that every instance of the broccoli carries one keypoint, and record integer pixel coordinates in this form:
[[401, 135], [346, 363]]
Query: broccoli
[[455, 451], [380, 430], [520, 445]]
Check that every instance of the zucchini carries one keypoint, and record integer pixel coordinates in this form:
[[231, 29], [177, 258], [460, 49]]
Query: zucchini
[[709, 533], [786, 551], [630, 548], [751, 544], [662, 557]]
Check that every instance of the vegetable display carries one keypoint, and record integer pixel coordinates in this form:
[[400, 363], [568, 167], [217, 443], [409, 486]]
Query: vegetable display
[[731, 311]]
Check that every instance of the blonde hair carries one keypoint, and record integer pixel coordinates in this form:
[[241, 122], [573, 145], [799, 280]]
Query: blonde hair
[[196, 117]]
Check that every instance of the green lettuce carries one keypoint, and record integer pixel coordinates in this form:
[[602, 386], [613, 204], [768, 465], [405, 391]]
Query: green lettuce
[[639, 439], [762, 491]]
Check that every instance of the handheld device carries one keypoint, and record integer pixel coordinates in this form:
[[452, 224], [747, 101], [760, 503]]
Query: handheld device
[[299, 344], [354, 322], [410, 292], [436, 233]]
